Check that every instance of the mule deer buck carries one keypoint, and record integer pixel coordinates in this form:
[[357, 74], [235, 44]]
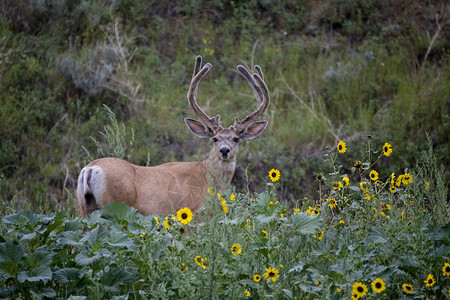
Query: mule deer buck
[[166, 188]]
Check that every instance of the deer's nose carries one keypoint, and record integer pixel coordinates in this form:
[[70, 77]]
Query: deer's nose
[[224, 152]]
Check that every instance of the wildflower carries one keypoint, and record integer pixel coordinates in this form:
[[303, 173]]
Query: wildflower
[[341, 147], [359, 289], [232, 197], [430, 280], [236, 249], [166, 223], [337, 185], [373, 175], [387, 149], [446, 269], [274, 175], [338, 290], [364, 185], [319, 177], [271, 274], [407, 288], [224, 206], [407, 179], [342, 222], [399, 180], [257, 278], [427, 185], [332, 203], [142, 235], [222, 198], [346, 180], [318, 282], [200, 261], [319, 234], [247, 293], [358, 164], [297, 210], [388, 206], [249, 224], [392, 189], [184, 215], [378, 285], [266, 234]]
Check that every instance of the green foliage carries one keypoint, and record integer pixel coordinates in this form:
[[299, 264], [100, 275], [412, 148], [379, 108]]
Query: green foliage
[[257, 245]]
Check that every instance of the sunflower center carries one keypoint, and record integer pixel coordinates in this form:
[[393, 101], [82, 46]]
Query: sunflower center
[[184, 216], [447, 269], [430, 281], [340, 147], [360, 289], [274, 174], [271, 274], [408, 287], [378, 285]]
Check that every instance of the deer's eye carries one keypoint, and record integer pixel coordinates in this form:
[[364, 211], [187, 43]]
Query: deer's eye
[[236, 140], [215, 139]]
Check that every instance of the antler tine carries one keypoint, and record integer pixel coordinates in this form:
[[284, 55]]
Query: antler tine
[[262, 93], [198, 75]]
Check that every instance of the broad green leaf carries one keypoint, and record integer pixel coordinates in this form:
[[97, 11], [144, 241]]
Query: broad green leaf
[[71, 238], [10, 252], [77, 297], [115, 277], [287, 293], [263, 219], [376, 235], [66, 275], [298, 267], [118, 212], [119, 239], [40, 258], [305, 223], [84, 260], [96, 237], [38, 274]]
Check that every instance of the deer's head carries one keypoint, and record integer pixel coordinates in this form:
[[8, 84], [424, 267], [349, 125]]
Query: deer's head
[[226, 140]]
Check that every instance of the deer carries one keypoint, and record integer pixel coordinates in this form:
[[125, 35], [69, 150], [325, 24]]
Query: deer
[[166, 188]]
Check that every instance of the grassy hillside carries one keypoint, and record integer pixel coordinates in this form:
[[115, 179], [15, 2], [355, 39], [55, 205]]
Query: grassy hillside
[[358, 71]]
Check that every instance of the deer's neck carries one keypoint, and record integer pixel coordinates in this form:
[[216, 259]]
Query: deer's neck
[[219, 172]]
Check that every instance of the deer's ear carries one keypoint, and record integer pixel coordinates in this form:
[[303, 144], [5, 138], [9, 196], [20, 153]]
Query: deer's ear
[[253, 130], [198, 128]]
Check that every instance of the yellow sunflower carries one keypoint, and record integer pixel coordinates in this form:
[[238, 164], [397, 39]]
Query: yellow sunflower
[[332, 202], [407, 288], [430, 280], [274, 175], [247, 293], [378, 285], [373, 175], [387, 149], [319, 234], [236, 249], [446, 269], [407, 178], [346, 180], [272, 274], [257, 278], [224, 206], [184, 215], [341, 147], [364, 185], [359, 289]]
